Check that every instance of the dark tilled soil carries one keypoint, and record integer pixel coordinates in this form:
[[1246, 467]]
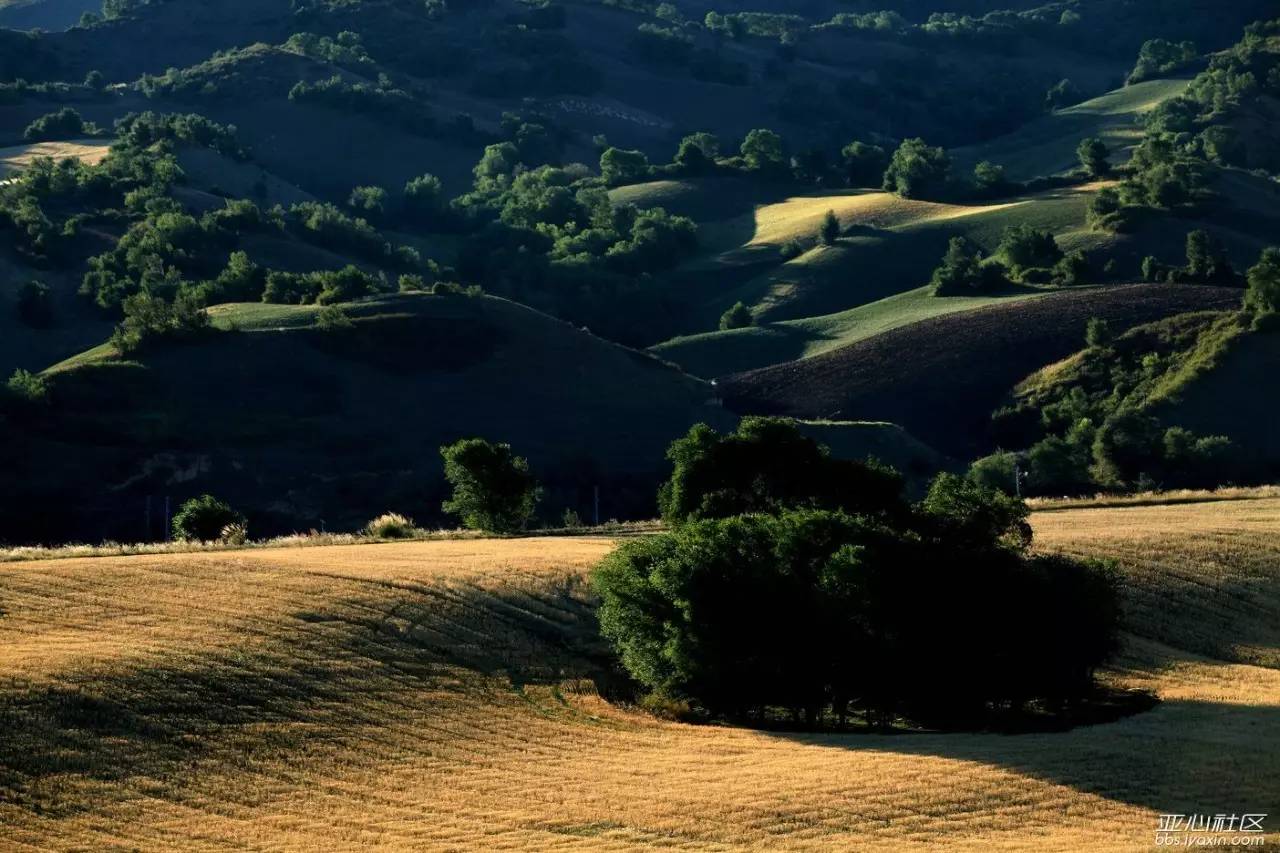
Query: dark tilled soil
[[942, 378]]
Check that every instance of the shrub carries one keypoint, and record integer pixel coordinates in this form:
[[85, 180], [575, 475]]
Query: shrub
[[1024, 247], [391, 525], [737, 317], [424, 198], [331, 318], [764, 465], [35, 305], [697, 153], [493, 489], [1097, 333], [148, 319], [27, 389], [370, 201], [66, 123], [997, 472], [1072, 269], [829, 233], [963, 271], [1093, 154], [1263, 295], [203, 519], [863, 164], [624, 167], [918, 170]]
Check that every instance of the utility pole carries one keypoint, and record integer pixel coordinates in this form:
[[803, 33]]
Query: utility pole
[[146, 533], [166, 518], [596, 502]]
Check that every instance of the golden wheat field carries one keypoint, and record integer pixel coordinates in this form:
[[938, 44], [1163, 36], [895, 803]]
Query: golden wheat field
[[445, 696]]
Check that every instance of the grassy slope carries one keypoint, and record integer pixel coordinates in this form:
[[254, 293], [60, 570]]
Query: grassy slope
[[941, 378], [889, 246], [719, 353], [1047, 146], [440, 695], [1229, 398]]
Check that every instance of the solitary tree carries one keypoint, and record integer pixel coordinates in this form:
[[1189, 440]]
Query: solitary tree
[[737, 317], [493, 489], [830, 231], [1093, 154], [918, 170], [989, 176]]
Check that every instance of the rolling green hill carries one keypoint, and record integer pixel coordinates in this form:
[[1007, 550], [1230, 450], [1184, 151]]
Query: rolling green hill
[[720, 353], [1047, 146]]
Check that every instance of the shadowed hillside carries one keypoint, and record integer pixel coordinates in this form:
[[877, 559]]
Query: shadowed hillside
[[942, 378]]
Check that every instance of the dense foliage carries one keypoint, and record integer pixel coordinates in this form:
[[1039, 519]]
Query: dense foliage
[[939, 618], [764, 465], [493, 489]]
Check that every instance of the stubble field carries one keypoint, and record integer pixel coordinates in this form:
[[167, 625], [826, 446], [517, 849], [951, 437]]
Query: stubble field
[[448, 695]]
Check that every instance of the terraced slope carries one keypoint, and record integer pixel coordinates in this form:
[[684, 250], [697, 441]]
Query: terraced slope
[[447, 695], [941, 378]]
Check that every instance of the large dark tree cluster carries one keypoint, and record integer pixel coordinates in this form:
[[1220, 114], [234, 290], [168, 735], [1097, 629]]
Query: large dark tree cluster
[[796, 586]]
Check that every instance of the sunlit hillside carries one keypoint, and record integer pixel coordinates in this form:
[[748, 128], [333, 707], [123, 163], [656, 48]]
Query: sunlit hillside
[[454, 695]]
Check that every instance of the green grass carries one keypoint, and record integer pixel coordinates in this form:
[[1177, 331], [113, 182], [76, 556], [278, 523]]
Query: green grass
[[889, 246], [719, 353], [1047, 146]]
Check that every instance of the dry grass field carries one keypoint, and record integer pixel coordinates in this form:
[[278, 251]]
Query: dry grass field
[[15, 159], [444, 695]]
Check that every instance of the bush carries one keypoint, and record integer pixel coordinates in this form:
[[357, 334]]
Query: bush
[[829, 233], [963, 271], [1024, 247], [1093, 154], [203, 519], [391, 525], [864, 164], [737, 317], [493, 489], [27, 389], [918, 170], [1263, 295], [624, 167], [331, 318], [764, 465], [66, 123], [149, 319]]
